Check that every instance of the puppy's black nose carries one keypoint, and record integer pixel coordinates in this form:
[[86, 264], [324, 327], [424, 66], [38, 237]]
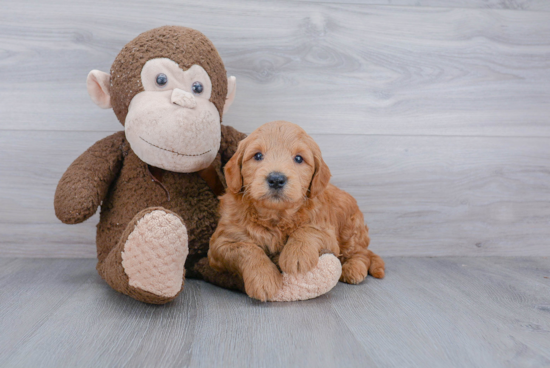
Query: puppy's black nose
[[276, 180]]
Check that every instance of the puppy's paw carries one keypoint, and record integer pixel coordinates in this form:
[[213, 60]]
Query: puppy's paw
[[264, 282], [353, 271], [298, 257]]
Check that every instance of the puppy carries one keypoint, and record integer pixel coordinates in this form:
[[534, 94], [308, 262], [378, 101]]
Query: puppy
[[281, 209]]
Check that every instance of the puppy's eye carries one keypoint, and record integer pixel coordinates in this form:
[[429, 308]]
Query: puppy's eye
[[299, 159], [258, 156], [162, 79], [197, 87]]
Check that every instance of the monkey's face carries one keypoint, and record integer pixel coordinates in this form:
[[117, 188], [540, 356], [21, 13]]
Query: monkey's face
[[169, 88], [172, 124]]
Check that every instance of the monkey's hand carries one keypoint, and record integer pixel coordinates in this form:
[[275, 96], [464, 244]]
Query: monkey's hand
[[86, 182]]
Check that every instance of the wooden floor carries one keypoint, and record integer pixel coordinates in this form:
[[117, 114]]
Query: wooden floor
[[427, 312]]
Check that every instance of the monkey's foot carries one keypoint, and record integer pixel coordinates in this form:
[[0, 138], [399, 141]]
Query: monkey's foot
[[148, 261], [155, 252], [312, 284]]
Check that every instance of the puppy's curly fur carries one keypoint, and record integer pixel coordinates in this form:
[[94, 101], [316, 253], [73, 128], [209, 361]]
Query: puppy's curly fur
[[289, 223]]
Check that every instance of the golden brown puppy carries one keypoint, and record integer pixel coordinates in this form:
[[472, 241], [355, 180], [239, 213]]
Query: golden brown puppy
[[280, 206]]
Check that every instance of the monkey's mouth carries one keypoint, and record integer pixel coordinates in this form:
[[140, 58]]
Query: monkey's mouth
[[177, 153]]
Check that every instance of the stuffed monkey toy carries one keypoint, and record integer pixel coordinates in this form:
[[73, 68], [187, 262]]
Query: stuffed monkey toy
[[157, 182]]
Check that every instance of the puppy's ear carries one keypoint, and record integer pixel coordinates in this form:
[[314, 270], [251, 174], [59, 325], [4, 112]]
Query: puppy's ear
[[321, 176], [232, 169]]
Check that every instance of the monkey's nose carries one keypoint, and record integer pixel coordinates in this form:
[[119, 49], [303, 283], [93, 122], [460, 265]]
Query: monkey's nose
[[183, 98]]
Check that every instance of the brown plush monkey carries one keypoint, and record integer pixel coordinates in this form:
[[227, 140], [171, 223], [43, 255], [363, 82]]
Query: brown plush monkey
[[158, 180]]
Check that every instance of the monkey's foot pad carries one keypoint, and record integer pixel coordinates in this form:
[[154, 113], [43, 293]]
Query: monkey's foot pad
[[312, 284], [155, 253]]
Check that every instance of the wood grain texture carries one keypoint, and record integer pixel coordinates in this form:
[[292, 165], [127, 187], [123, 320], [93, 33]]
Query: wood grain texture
[[530, 5], [415, 312], [329, 67], [435, 118], [420, 195], [31, 291], [427, 312]]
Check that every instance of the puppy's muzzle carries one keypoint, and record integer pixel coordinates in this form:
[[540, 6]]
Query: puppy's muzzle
[[276, 180]]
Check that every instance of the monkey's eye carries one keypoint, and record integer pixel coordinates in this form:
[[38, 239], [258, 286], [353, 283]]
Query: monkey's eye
[[162, 79], [197, 87], [299, 159], [258, 156]]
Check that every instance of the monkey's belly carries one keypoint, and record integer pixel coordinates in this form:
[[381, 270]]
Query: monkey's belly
[[134, 190]]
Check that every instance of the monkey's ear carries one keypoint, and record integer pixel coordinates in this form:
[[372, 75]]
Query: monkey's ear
[[232, 169], [99, 88], [231, 90]]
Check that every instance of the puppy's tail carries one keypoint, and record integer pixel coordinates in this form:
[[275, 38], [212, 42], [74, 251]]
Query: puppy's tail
[[377, 266]]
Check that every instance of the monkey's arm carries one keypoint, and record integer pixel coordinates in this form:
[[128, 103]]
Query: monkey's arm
[[86, 182], [230, 140]]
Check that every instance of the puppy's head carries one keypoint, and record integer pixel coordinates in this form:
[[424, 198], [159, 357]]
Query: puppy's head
[[278, 166]]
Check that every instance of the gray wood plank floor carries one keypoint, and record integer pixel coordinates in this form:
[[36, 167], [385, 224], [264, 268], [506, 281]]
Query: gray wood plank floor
[[427, 312]]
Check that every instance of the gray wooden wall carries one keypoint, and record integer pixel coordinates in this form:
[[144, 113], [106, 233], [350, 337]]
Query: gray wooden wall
[[435, 115]]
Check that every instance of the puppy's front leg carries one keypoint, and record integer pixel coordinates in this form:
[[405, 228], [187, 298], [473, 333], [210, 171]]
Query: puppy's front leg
[[301, 252], [262, 279]]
